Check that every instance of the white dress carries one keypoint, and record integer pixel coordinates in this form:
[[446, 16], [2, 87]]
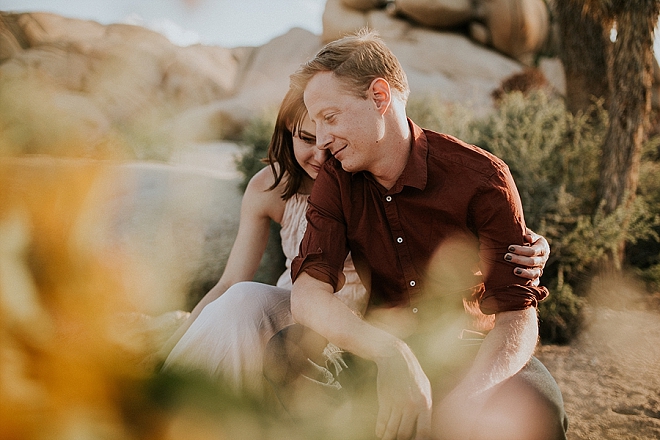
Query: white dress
[[228, 338]]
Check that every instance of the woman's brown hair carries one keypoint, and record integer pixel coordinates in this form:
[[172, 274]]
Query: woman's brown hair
[[281, 158]]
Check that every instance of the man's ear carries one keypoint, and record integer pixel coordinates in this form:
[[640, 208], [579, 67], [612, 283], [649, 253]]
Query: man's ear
[[380, 92]]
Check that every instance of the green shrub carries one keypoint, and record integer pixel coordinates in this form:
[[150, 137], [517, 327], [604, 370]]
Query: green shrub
[[554, 158], [457, 120], [254, 141], [644, 254], [560, 317]]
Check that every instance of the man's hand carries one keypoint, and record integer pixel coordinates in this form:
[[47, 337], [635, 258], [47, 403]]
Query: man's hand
[[404, 397], [532, 257]]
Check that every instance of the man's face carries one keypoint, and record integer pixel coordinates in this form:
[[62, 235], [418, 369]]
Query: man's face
[[346, 125]]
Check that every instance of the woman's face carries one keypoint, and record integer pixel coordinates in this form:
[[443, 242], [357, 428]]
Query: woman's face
[[308, 156]]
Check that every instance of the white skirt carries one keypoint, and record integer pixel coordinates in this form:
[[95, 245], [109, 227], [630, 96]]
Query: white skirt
[[228, 338]]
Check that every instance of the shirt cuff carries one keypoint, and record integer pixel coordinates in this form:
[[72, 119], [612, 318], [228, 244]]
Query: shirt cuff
[[511, 298], [314, 265]]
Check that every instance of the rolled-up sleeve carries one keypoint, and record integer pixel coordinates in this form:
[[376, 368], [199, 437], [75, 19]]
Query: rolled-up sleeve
[[323, 248], [499, 222]]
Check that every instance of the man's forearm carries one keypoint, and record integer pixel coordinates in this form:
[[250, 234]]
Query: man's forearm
[[404, 391], [504, 352], [314, 305]]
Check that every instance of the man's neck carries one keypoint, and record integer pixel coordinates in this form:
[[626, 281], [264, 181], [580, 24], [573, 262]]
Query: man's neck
[[395, 157]]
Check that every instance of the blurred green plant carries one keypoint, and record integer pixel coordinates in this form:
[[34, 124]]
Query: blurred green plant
[[644, 255], [254, 141], [554, 158], [457, 120]]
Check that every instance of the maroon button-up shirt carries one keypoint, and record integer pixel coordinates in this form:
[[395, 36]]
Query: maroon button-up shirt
[[452, 198]]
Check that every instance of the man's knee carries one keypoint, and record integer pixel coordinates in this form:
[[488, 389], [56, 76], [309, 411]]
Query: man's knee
[[528, 406]]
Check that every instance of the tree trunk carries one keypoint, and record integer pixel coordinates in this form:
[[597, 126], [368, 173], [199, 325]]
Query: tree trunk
[[583, 42], [630, 70]]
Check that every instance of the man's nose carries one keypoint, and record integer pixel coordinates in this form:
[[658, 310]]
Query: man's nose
[[323, 139], [320, 154]]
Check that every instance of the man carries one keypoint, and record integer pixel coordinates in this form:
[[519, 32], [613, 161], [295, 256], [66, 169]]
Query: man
[[409, 204]]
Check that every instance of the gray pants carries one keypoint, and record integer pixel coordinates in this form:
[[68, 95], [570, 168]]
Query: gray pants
[[531, 397]]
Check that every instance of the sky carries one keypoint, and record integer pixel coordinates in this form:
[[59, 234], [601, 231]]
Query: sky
[[227, 23]]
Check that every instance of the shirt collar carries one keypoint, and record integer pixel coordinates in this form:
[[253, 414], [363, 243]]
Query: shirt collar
[[415, 172]]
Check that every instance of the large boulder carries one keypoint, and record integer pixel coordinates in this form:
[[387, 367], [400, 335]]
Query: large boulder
[[76, 87], [444, 65], [161, 231], [517, 28]]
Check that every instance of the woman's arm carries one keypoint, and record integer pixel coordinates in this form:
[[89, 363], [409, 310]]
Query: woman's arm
[[258, 208]]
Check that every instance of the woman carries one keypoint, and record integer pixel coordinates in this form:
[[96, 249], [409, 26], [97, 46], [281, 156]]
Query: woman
[[226, 333]]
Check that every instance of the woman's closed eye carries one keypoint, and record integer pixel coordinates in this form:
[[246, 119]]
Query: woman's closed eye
[[308, 139]]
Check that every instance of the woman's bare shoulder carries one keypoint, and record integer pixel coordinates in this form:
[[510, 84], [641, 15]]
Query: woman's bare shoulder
[[262, 180], [260, 197]]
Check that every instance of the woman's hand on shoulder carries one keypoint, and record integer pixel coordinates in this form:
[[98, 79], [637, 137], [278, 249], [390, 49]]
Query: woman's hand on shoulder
[[531, 258]]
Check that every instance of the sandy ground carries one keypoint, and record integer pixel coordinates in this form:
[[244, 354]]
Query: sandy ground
[[610, 375]]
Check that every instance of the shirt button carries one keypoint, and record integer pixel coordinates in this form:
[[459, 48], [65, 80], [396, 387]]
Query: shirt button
[[399, 240], [412, 283], [388, 198], [414, 310]]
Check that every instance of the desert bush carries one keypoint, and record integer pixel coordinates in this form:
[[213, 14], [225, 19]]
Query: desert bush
[[254, 141], [452, 119], [554, 158], [529, 80], [644, 255]]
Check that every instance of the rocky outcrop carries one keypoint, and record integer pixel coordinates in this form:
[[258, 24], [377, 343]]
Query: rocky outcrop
[[518, 28], [161, 232], [80, 88]]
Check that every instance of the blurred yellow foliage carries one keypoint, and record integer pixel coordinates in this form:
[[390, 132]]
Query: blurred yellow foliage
[[74, 341], [59, 371]]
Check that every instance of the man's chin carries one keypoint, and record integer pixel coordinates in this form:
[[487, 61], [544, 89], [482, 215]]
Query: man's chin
[[347, 167]]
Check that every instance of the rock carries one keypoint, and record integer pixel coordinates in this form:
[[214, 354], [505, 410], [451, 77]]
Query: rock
[[340, 19], [264, 78], [444, 65], [176, 224], [518, 28], [130, 79], [163, 230]]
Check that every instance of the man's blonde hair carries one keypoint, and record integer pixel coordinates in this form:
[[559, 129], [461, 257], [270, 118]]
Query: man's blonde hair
[[356, 60]]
